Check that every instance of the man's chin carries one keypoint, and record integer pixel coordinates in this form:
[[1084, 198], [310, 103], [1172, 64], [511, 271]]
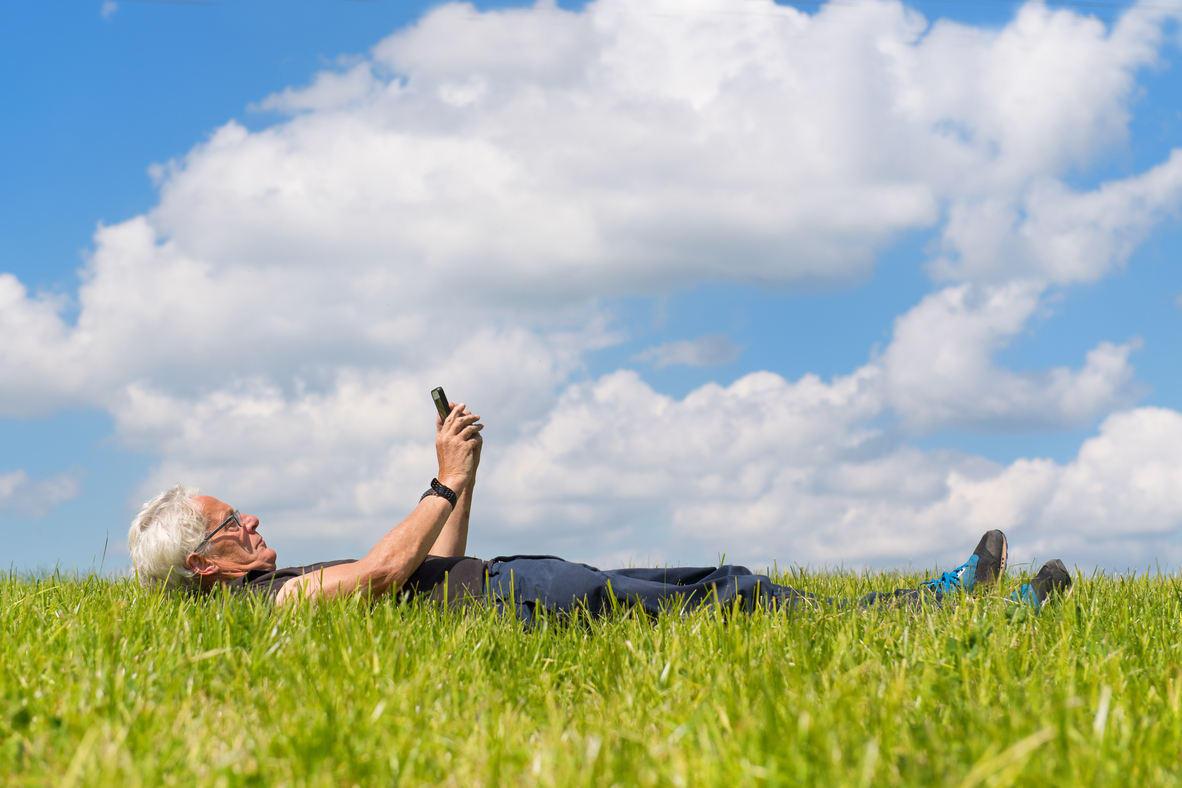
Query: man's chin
[[264, 561]]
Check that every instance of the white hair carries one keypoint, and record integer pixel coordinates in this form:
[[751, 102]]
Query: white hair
[[165, 532]]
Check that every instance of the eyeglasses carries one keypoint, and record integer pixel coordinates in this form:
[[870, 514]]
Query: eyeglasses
[[235, 517]]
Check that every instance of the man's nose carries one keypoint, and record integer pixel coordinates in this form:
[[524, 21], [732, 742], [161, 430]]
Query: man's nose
[[250, 522]]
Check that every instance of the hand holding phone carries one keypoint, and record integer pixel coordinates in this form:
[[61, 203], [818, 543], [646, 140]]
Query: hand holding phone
[[458, 447]]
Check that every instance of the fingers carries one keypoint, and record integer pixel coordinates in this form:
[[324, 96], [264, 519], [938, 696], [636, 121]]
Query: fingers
[[453, 411], [458, 410], [460, 419], [460, 422]]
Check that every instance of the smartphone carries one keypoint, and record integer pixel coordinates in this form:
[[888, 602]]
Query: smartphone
[[441, 402]]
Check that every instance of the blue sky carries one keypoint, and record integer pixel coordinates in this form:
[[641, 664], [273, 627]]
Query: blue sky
[[644, 288]]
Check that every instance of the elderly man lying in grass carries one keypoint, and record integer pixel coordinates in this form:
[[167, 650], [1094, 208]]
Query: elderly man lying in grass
[[187, 540]]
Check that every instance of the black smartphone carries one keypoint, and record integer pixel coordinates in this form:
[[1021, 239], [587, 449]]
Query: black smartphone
[[441, 402]]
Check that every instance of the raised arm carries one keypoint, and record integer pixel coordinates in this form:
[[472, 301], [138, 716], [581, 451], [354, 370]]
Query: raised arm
[[400, 552], [453, 539]]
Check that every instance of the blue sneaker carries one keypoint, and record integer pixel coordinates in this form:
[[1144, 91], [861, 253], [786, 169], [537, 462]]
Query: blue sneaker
[[985, 565], [1053, 578]]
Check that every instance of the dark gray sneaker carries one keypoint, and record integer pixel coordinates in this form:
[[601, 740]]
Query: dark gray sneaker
[[989, 560], [985, 565], [1053, 578]]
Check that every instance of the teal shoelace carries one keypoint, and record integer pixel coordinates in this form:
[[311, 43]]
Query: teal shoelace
[[951, 580]]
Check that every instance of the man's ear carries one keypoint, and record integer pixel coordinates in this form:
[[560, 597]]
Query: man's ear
[[200, 565]]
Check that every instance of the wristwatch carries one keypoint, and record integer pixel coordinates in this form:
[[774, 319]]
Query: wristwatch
[[443, 491]]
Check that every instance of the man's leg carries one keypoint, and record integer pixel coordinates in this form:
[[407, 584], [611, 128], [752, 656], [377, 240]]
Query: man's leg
[[984, 567], [562, 586], [697, 585]]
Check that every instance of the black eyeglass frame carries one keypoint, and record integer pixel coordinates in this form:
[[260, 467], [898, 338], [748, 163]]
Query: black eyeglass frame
[[235, 517]]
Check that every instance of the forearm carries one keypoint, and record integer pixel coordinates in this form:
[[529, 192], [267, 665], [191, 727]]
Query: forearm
[[388, 565], [453, 539]]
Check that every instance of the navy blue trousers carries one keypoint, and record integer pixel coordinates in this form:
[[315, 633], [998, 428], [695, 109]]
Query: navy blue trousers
[[530, 582]]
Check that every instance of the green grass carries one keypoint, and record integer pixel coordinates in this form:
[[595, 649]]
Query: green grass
[[104, 683]]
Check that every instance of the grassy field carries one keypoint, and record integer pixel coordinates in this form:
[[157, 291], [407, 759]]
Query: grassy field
[[104, 683]]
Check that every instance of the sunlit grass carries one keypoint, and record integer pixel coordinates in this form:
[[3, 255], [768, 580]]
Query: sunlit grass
[[104, 683]]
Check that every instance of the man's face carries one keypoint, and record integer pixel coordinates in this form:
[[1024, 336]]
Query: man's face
[[235, 550]]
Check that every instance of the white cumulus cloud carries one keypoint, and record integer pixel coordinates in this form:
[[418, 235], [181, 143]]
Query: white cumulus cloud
[[940, 372], [1124, 485], [1061, 235], [767, 469], [513, 171], [455, 206]]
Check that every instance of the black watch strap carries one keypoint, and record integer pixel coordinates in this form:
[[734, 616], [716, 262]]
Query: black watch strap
[[443, 491]]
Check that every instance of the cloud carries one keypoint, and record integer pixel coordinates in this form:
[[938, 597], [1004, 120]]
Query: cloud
[[329, 90], [1111, 505], [24, 496], [768, 469], [456, 206], [512, 172], [109, 8], [358, 443], [603, 151], [1062, 235], [1016, 98], [708, 351], [939, 369]]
